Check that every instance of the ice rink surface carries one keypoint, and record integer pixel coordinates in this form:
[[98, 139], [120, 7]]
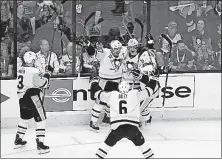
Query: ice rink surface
[[170, 139]]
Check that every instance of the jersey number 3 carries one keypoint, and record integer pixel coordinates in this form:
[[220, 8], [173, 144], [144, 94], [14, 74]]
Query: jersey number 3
[[122, 108], [20, 82]]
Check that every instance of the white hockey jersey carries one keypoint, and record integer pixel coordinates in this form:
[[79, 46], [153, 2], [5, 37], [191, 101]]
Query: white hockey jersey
[[29, 77], [129, 64], [124, 109], [108, 70]]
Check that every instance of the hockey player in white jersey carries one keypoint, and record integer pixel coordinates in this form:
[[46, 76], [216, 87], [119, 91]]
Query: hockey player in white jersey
[[110, 74], [132, 74], [131, 63], [125, 115], [30, 85], [149, 60]]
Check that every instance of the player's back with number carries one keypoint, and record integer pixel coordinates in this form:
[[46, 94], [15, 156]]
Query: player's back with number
[[29, 77], [124, 108]]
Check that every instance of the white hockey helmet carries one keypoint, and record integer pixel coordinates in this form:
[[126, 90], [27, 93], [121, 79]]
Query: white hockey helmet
[[48, 3], [124, 87], [29, 57], [115, 47], [132, 46], [147, 63], [132, 42]]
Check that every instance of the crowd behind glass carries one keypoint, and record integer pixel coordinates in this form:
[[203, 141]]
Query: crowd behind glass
[[195, 48]]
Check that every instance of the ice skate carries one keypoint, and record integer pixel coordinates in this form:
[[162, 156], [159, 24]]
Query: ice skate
[[93, 127], [148, 122], [106, 119], [19, 143], [41, 147]]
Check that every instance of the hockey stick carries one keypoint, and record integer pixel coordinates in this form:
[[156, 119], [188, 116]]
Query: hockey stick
[[167, 70], [55, 26], [49, 59], [63, 1], [142, 28], [124, 24]]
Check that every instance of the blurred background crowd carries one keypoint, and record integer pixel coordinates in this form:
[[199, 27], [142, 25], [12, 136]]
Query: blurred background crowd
[[52, 29]]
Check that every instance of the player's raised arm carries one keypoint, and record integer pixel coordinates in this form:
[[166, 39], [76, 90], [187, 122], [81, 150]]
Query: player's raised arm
[[152, 86]]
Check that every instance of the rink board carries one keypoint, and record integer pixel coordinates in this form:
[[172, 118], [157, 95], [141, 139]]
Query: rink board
[[188, 96]]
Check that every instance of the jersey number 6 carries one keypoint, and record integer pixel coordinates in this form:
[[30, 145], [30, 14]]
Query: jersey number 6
[[122, 109], [20, 82]]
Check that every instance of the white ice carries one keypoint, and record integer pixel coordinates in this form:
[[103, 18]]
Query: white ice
[[170, 139]]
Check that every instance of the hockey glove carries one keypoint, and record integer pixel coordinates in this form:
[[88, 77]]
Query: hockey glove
[[145, 79], [164, 69], [49, 68], [136, 74], [94, 78], [95, 88], [47, 75], [111, 86]]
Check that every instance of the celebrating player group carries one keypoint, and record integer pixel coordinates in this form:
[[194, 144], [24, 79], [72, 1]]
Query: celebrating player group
[[127, 83]]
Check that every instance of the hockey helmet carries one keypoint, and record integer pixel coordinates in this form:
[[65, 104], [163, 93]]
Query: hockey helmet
[[132, 42], [29, 57], [133, 46], [116, 47], [124, 87]]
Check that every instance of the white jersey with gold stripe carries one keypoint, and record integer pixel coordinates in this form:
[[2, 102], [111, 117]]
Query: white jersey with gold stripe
[[108, 68]]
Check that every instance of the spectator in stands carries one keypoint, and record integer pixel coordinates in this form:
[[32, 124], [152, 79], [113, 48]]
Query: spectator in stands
[[182, 59], [4, 60], [216, 11], [174, 36], [202, 7], [66, 60], [201, 34], [6, 18], [66, 26], [172, 33], [120, 7], [58, 7], [43, 15], [24, 29], [44, 56], [79, 56], [114, 34], [214, 23], [185, 16], [218, 57], [7, 62], [205, 58]]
